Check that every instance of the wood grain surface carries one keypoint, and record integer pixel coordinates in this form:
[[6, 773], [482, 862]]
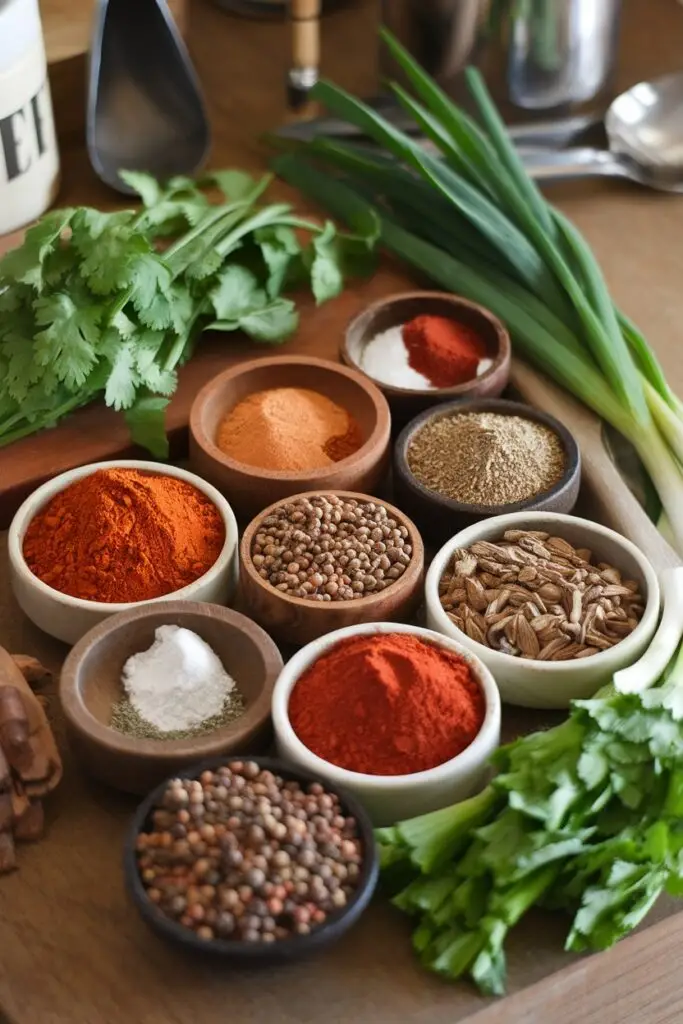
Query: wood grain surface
[[67, 26], [72, 950]]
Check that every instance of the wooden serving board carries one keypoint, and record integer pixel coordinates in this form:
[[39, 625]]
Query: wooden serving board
[[72, 951]]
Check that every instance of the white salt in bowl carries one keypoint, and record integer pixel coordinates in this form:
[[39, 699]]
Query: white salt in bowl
[[69, 618], [396, 310], [552, 684], [390, 798]]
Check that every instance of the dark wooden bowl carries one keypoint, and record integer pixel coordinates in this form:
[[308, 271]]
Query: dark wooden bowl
[[399, 309], [91, 682], [296, 620], [255, 954], [440, 518], [250, 488]]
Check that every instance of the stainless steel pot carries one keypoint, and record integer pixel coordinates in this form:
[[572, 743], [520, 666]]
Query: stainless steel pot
[[537, 55]]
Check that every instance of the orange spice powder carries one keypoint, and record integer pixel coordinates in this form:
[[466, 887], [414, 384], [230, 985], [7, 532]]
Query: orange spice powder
[[120, 535], [288, 429]]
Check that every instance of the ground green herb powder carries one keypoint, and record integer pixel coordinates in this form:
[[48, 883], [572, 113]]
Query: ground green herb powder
[[126, 719]]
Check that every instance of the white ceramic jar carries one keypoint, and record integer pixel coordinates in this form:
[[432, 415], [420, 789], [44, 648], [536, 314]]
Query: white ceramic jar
[[29, 161]]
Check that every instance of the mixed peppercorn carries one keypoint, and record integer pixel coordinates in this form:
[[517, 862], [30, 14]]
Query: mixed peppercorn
[[241, 853]]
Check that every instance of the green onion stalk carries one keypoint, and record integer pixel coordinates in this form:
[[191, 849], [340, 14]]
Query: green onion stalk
[[469, 218]]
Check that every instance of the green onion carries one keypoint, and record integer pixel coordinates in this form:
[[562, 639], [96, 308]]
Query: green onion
[[472, 221]]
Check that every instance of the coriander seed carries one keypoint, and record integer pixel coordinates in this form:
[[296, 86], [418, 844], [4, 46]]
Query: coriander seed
[[345, 549]]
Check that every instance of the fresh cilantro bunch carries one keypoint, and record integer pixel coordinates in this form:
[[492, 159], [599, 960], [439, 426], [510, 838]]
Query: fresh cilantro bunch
[[586, 817], [112, 304]]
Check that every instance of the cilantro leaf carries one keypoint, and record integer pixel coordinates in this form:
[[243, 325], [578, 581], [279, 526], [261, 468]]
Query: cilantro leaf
[[272, 323], [150, 278], [68, 344], [326, 277], [279, 247], [147, 187], [146, 423], [22, 370], [111, 260], [233, 184], [237, 293], [24, 264], [123, 378]]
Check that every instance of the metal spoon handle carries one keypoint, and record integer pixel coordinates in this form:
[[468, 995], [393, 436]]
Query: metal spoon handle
[[560, 131], [571, 164]]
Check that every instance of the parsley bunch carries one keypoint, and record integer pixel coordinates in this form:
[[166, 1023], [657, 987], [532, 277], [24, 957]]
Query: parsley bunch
[[586, 817], [112, 304]]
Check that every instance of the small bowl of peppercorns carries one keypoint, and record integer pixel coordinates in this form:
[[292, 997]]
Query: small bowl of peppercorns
[[317, 562], [250, 861]]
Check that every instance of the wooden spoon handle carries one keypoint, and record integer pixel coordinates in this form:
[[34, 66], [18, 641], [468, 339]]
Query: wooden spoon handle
[[305, 62]]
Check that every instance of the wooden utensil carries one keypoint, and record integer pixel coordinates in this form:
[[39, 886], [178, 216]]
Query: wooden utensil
[[611, 500], [303, 74]]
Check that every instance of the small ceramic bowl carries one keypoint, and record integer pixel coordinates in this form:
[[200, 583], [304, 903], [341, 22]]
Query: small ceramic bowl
[[297, 620], [391, 798], [249, 488], [253, 954], [440, 517], [69, 618], [91, 682], [397, 310], [552, 684]]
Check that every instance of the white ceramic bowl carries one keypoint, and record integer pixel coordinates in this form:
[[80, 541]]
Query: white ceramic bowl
[[69, 618], [391, 798], [548, 684]]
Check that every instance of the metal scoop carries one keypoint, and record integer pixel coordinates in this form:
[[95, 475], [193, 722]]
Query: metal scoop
[[644, 128], [145, 108]]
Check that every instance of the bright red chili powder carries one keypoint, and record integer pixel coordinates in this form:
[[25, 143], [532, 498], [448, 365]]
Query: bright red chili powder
[[387, 704], [444, 351]]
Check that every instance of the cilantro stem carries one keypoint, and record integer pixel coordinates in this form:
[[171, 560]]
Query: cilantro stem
[[50, 419]]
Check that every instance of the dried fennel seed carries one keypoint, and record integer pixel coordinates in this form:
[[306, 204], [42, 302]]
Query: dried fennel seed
[[535, 596], [486, 458], [126, 719]]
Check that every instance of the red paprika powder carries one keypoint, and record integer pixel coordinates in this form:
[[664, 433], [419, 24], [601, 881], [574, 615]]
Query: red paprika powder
[[387, 704], [444, 351]]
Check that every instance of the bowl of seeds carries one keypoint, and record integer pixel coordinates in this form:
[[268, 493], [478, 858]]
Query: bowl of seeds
[[250, 861], [463, 461], [152, 690], [554, 605], [321, 561]]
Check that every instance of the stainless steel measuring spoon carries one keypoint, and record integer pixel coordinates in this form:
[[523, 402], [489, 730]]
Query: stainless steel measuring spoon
[[145, 108]]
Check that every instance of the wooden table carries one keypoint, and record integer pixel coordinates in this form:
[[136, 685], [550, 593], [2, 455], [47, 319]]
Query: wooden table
[[71, 949]]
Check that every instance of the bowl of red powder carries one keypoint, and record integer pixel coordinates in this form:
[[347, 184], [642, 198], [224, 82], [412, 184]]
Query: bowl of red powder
[[421, 348], [273, 427], [109, 536], [404, 718]]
